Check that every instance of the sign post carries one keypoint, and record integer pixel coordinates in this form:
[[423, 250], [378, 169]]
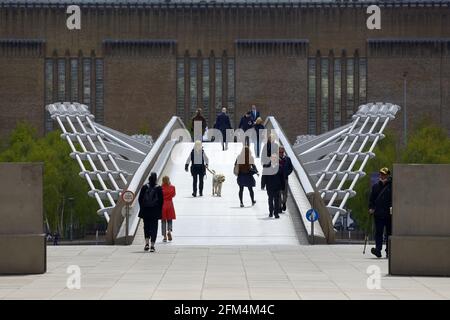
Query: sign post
[[127, 197], [312, 215]]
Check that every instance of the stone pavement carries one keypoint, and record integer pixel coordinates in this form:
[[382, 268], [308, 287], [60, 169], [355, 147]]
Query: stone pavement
[[218, 272]]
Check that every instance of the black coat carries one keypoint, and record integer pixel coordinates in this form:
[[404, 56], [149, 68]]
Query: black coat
[[381, 198], [246, 123], [222, 124], [267, 152], [286, 166], [259, 133], [273, 182], [246, 179], [150, 213], [254, 117]]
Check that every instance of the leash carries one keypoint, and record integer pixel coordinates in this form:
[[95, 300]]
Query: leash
[[210, 171]]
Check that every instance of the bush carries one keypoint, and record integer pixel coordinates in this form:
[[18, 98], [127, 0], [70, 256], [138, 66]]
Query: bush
[[61, 180], [428, 144]]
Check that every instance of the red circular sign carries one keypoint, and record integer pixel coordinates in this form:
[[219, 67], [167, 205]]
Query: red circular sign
[[128, 196]]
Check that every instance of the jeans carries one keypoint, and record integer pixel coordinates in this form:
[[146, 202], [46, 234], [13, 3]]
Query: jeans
[[274, 202], [250, 190], [197, 176], [166, 225], [380, 224], [151, 228]]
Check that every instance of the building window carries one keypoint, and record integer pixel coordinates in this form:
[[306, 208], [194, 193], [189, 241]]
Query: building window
[[324, 94], [312, 106], [61, 79], [218, 85], [87, 82], [337, 92], [193, 86], [362, 81], [48, 93], [99, 88], [230, 88], [180, 88], [205, 88], [330, 88], [74, 79], [207, 81], [350, 88]]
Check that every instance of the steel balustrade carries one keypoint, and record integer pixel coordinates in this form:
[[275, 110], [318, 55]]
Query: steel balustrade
[[350, 145]]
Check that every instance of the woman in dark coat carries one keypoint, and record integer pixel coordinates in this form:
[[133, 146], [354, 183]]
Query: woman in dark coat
[[259, 127], [273, 181], [151, 201], [245, 168]]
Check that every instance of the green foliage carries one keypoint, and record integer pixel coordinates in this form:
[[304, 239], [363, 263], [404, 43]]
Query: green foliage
[[428, 144], [61, 179]]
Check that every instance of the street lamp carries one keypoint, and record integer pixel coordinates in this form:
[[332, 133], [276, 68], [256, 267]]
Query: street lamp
[[405, 133]]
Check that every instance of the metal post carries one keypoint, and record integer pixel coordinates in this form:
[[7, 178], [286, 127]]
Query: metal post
[[312, 231], [127, 215], [71, 218], [405, 132]]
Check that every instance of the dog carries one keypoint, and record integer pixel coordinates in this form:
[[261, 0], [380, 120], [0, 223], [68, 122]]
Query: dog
[[218, 179]]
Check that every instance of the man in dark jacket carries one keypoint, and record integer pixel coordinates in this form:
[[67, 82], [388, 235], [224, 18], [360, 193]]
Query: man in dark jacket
[[246, 124], [273, 181], [150, 203], [380, 205], [222, 124], [254, 113], [201, 120], [269, 148], [287, 168]]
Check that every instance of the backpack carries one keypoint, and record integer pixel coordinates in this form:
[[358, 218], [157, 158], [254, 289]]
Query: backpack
[[151, 198]]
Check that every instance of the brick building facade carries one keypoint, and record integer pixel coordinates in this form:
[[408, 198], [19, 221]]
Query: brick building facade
[[308, 63]]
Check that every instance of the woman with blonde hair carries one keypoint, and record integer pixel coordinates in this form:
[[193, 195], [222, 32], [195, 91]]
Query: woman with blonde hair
[[168, 210], [245, 168], [198, 168]]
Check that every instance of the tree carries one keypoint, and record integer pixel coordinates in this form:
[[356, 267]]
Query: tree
[[428, 144], [61, 180]]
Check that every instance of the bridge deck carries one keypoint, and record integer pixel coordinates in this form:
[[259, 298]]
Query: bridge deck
[[215, 220]]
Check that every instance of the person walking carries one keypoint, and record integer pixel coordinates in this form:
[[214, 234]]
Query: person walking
[[246, 124], [286, 167], [244, 168], [150, 203], [199, 119], [269, 148], [259, 127], [222, 124], [198, 168], [273, 181], [168, 209], [254, 113], [380, 205]]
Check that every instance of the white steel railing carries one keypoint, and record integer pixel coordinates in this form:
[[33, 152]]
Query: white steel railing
[[97, 162], [351, 144]]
